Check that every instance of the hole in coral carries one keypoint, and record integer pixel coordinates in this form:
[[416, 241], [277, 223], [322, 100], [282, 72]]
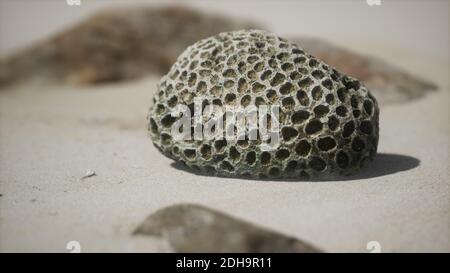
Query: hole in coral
[[290, 167], [341, 111], [257, 87], [219, 145], [314, 126], [333, 123], [201, 87], [321, 110], [305, 83], [234, 154], [229, 73], [189, 153], [288, 103], [318, 74], [215, 91], [351, 84], [286, 88], [277, 79], [168, 120], [313, 63], [192, 79], [297, 51], [366, 127], [288, 133], [299, 60], [160, 109], [272, 63], [228, 84], [217, 102], [283, 56], [303, 98], [259, 101], [317, 93], [342, 94], [242, 85], [349, 128], [326, 143], [265, 75], [245, 100], [243, 143], [172, 102], [271, 95], [295, 76], [327, 84], [317, 164], [303, 147], [282, 154], [205, 151], [251, 158], [225, 165], [300, 116], [354, 102], [242, 67], [287, 66], [259, 67], [153, 126], [252, 59], [230, 98], [265, 158], [330, 99]]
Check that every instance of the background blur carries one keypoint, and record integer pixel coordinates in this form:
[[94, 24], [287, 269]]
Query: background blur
[[406, 24]]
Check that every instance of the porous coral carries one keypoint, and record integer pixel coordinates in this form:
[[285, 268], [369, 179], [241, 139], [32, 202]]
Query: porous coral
[[328, 121]]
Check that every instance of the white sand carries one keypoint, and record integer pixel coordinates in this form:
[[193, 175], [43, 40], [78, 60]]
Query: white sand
[[50, 137]]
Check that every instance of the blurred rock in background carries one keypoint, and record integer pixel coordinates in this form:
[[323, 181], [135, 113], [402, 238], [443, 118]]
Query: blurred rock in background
[[194, 228], [124, 44], [116, 45], [388, 83]]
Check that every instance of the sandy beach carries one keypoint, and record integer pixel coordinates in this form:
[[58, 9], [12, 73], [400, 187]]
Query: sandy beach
[[50, 137], [53, 136]]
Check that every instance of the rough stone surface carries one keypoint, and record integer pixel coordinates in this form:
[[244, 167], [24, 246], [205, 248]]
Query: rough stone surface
[[328, 121], [194, 228]]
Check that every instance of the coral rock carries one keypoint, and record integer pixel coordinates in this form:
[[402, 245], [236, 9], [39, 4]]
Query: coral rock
[[328, 122]]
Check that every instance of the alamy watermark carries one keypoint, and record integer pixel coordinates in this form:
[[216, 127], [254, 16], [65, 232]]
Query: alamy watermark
[[373, 2], [73, 2], [208, 122]]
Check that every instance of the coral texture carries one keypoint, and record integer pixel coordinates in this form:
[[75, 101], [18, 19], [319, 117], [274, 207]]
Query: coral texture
[[328, 122]]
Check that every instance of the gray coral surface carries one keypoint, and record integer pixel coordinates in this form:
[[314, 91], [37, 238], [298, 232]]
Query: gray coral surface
[[328, 122]]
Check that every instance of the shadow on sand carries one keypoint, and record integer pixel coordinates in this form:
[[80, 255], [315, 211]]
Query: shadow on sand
[[384, 164]]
